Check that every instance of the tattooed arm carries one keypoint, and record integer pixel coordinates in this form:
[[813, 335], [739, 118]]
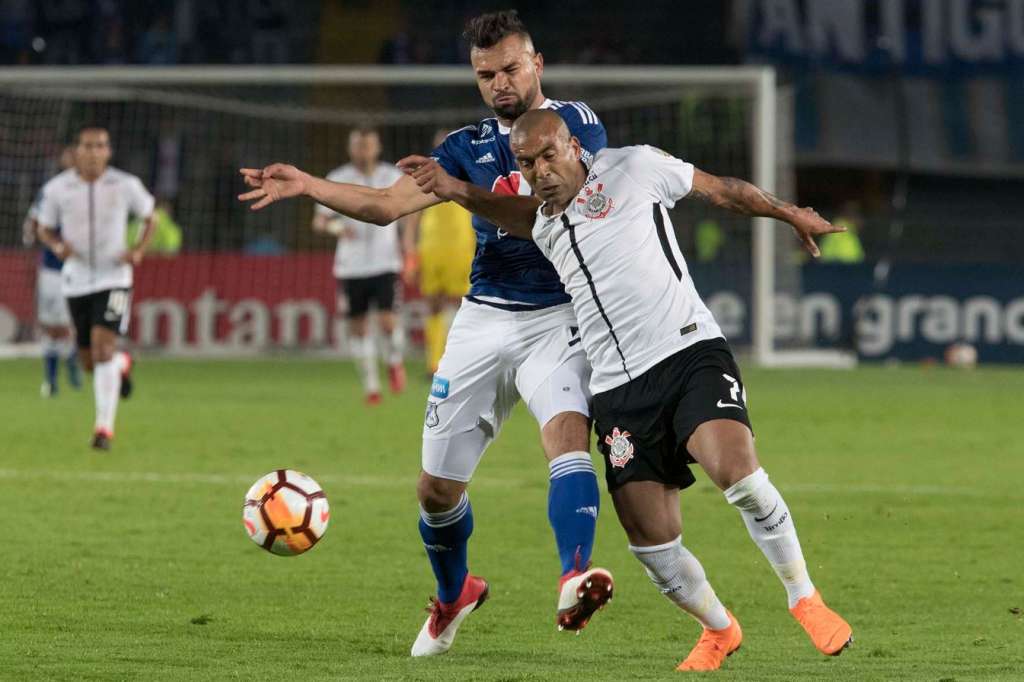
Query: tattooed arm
[[739, 196]]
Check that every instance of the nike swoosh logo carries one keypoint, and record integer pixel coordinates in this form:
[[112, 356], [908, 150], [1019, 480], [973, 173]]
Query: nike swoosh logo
[[759, 520], [721, 404]]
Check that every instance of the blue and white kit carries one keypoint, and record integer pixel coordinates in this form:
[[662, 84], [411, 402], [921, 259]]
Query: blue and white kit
[[515, 334]]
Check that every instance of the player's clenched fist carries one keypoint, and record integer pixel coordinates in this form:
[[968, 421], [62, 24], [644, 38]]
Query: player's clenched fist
[[276, 181], [429, 176]]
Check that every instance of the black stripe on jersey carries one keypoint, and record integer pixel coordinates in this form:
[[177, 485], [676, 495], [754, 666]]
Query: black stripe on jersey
[[659, 222], [593, 290]]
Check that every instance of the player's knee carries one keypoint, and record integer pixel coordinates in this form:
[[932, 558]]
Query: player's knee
[[725, 450], [438, 494], [566, 432]]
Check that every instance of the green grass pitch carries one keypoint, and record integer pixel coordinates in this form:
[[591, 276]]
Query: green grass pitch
[[905, 485]]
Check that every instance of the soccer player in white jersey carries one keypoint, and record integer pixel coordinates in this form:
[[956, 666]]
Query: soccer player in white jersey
[[52, 313], [512, 337], [667, 391], [92, 203], [366, 264]]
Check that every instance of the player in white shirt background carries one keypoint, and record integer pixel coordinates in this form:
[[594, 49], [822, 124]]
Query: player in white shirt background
[[92, 203], [52, 314], [367, 262], [667, 391]]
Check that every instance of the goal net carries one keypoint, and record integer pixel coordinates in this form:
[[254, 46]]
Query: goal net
[[225, 280]]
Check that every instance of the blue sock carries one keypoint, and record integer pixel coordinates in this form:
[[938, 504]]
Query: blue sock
[[573, 503], [74, 375], [50, 363], [445, 536]]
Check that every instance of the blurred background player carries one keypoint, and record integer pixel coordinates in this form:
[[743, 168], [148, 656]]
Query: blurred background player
[[513, 337], [367, 261], [92, 203], [51, 309], [445, 251]]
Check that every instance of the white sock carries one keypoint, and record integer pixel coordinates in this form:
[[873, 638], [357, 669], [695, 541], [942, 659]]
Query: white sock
[[365, 352], [680, 577], [106, 384], [395, 345], [771, 527]]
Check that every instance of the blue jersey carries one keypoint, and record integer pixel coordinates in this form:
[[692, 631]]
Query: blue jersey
[[504, 268]]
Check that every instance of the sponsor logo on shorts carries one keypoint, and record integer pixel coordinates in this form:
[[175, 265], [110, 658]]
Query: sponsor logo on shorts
[[620, 450], [432, 419], [439, 387], [721, 404]]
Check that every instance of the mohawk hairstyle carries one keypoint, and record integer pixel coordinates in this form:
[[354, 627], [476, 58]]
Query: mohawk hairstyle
[[488, 29]]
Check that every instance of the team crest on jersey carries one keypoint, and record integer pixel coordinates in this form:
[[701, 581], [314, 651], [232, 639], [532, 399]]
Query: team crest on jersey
[[486, 130], [432, 419], [620, 449], [596, 204]]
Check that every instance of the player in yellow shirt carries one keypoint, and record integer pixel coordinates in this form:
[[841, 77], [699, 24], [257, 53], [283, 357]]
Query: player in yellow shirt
[[445, 249]]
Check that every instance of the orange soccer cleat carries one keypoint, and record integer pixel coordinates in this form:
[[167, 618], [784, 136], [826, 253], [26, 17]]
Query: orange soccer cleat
[[713, 647], [826, 628]]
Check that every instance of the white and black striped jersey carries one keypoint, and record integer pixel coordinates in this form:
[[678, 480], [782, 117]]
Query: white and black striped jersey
[[616, 253]]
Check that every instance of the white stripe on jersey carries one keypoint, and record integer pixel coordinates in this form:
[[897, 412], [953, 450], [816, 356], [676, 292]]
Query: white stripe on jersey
[[616, 253]]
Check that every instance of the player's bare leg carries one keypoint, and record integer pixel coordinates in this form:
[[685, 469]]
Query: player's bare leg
[[446, 522], [649, 513], [725, 449], [364, 351], [108, 366], [394, 342], [573, 503]]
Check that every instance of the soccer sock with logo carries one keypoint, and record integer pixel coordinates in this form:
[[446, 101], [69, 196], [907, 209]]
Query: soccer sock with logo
[[364, 351], [680, 577], [771, 527], [106, 383], [573, 503], [51, 359], [445, 537]]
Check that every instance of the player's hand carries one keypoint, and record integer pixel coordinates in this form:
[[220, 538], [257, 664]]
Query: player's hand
[[410, 268], [62, 251], [808, 224], [273, 183], [134, 256], [430, 176]]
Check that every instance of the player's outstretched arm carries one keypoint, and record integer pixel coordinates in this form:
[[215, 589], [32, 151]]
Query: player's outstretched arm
[[740, 196], [513, 214], [379, 206]]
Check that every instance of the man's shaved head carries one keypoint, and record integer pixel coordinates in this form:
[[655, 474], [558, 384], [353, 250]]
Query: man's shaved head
[[548, 156], [540, 122]]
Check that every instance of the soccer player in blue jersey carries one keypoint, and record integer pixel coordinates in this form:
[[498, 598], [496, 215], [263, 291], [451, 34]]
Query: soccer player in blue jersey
[[52, 313], [514, 336]]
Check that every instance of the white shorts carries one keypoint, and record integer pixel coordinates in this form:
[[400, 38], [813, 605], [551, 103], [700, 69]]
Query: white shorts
[[492, 358], [51, 306]]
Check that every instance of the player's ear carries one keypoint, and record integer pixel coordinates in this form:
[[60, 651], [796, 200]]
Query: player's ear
[[538, 64], [577, 148]]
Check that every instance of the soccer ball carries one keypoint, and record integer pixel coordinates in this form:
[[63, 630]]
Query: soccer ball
[[285, 512], [962, 355]]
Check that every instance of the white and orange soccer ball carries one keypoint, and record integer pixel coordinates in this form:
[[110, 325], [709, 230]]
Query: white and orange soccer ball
[[286, 512]]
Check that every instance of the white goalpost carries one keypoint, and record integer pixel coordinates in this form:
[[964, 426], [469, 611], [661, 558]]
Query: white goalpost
[[184, 130]]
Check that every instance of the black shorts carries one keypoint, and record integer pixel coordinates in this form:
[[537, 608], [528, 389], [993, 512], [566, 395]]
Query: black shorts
[[642, 426], [110, 308], [360, 292]]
